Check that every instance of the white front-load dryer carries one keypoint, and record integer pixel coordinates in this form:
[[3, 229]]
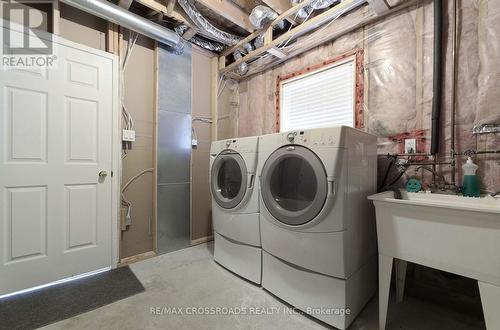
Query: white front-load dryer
[[235, 206], [317, 226]]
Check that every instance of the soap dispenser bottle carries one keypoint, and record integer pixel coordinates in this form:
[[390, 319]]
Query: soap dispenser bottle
[[471, 185]]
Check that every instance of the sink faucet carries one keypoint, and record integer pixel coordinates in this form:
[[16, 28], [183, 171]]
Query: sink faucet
[[443, 179]]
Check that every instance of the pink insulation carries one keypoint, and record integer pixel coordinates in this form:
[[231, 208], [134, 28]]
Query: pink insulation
[[398, 53]]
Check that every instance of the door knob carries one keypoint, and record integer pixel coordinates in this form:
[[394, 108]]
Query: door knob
[[103, 174]]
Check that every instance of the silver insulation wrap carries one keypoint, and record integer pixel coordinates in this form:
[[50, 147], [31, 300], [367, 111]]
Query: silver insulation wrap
[[261, 15], [202, 23], [322, 4], [303, 13], [243, 67], [209, 45]]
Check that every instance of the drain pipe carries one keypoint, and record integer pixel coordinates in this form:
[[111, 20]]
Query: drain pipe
[[454, 92], [125, 18], [437, 76]]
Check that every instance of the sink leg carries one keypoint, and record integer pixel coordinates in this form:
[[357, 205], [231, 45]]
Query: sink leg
[[384, 285], [400, 278], [490, 299]]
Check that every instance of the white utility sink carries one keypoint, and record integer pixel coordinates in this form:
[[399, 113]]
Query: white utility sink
[[456, 234]]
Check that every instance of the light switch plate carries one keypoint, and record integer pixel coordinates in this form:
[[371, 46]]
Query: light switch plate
[[410, 146], [128, 135]]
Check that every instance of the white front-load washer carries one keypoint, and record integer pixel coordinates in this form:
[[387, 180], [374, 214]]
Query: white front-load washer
[[235, 206], [317, 227]]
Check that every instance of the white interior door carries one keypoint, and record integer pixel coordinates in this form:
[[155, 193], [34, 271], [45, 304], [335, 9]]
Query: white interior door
[[56, 137]]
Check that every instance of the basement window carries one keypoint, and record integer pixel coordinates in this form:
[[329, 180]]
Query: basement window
[[323, 96]]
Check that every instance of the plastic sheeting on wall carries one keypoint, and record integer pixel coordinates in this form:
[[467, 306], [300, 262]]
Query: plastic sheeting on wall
[[398, 54]]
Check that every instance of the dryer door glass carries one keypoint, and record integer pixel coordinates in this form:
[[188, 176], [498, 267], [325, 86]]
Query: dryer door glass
[[294, 185], [229, 178]]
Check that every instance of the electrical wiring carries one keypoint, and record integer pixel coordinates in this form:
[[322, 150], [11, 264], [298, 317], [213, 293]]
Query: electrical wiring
[[129, 122], [124, 201], [206, 120], [333, 19]]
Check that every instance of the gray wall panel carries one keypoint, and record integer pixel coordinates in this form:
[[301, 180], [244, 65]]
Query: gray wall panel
[[174, 147], [174, 81], [173, 217], [174, 150]]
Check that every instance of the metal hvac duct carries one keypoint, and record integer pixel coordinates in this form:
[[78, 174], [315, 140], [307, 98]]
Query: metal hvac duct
[[125, 18]]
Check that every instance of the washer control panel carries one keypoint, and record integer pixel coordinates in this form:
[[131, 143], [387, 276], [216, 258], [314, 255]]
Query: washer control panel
[[312, 138]]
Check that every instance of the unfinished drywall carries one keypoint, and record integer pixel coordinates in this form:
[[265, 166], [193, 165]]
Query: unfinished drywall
[[398, 54], [139, 84], [201, 215], [81, 27]]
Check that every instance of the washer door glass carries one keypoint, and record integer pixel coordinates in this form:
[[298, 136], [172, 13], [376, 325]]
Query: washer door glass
[[294, 185], [229, 178]]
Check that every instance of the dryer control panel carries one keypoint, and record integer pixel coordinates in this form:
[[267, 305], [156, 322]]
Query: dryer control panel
[[316, 137]]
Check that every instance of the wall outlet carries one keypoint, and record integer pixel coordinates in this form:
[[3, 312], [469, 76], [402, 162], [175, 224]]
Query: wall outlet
[[128, 135], [410, 146], [194, 143]]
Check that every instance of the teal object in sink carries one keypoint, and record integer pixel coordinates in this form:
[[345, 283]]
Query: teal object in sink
[[413, 185]]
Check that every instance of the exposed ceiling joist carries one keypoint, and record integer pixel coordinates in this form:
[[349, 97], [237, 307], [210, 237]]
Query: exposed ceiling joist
[[189, 34], [379, 6], [170, 6], [279, 6], [154, 5], [230, 11], [125, 3]]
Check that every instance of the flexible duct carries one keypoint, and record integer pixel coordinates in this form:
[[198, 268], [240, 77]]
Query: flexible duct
[[209, 45], [261, 15], [125, 18], [303, 13], [243, 67], [202, 23]]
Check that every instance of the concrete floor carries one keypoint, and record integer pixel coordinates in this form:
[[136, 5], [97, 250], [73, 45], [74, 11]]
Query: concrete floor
[[190, 278]]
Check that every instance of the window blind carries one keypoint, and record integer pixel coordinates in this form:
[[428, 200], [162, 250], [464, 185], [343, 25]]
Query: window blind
[[321, 99]]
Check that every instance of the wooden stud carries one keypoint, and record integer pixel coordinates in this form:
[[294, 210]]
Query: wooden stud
[[130, 260], [230, 11], [279, 6], [222, 62], [214, 63], [125, 4], [268, 36], [170, 6], [56, 17], [156, 75], [202, 240], [189, 34], [240, 44], [178, 16], [380, 7]]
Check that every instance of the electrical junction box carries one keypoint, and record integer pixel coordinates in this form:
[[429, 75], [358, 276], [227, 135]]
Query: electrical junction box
[[411, 146], [128, 135]]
